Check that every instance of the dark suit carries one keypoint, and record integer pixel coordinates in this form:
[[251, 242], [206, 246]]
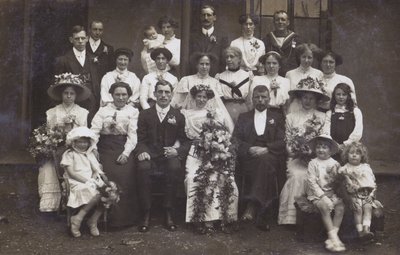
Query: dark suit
[[153, 136], [105, 57], [201, 43], [287, 51], [70, 64], [263, 169]]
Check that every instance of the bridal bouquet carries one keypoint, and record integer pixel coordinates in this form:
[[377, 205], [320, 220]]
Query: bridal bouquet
[[297, 138], [44, 142], [217, 154]]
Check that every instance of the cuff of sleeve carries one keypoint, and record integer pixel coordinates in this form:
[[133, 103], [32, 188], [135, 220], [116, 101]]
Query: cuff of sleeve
[[126, 153]]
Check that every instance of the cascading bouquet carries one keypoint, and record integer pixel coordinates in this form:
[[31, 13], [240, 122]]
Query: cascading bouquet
[[44, 141], [217, 154], [297, 138]]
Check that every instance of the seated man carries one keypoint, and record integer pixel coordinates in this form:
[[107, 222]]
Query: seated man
[[159, 127], [260, 133]]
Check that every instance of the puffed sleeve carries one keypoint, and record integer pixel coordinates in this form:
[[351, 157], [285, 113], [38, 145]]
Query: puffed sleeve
[[134, 83], [312, 180], [356, 135], [131, 140], [105, 86], [97, 121], [67, 158], [144, 91], [181, 91]]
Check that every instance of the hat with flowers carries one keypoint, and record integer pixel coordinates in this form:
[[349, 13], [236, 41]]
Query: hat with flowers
[[64, 80], [310, 84]]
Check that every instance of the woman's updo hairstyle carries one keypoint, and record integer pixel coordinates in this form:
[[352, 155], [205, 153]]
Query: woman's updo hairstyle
[[243, 18], [302, 48], [120, 85], [200, 88]]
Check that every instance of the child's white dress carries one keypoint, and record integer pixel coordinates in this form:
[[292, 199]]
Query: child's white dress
[[82, 163]]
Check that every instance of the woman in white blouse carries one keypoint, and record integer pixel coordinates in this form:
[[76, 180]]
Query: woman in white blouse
[[116, 125], [251, 47], [173, 44], [277, 85], [121, 74]]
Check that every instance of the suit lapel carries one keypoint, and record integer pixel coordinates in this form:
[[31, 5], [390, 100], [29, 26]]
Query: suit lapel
[[269, 125], [75, 65]]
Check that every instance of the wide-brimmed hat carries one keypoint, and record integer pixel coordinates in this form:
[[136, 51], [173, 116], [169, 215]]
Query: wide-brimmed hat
[[78, 132], [123, 51], [332, 143], [310, 84], [65, 80], [159, 51]]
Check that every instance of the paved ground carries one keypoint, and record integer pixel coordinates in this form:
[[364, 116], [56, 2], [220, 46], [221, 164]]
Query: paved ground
[[32, 232]]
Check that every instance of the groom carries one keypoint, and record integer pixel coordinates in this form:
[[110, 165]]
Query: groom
[[159, 127], [260, 134]]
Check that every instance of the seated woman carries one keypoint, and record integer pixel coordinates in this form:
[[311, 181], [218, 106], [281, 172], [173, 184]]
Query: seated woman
[[278, 85], [211, 195], [305, 57], [183, 100], [121, 74], [234, 84], [68, 88], [252, 48], [329, 61], [116, 125], [301, 126]]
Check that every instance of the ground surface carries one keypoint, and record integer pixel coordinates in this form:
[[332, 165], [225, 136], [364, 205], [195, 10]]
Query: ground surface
[[30, 232]]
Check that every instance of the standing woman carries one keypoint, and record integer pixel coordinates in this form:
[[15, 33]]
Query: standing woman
[[116, 124], [121, 74], [275, 83], [234, 84], [305, 53], [252, 48], [168, 26], [329, 61], [68, 88]]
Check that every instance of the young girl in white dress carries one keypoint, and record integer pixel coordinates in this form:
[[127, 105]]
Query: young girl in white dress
[[84, 175]]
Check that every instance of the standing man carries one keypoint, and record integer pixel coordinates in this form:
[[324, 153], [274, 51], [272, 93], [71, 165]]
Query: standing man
[[260, 133], [103, 51], [208, 40], [78, 61], [159, 127], [283, 41]]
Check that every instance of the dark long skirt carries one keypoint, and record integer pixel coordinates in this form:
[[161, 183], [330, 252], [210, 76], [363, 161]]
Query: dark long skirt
[[125, 212]]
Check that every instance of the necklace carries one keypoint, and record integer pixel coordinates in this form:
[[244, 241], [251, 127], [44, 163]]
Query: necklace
[[68, 109]]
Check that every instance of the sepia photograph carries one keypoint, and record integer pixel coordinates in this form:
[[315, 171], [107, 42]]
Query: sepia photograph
[[199, 127]]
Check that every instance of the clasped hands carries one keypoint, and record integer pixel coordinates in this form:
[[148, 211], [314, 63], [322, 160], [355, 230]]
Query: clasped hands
[[256, 151], [169, 152]]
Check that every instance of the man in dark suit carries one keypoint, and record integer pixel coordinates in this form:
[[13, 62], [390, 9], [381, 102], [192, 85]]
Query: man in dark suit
[[208, 40], [159, 128], [78, 61], [283, 41], [103, 51], [260, 133]]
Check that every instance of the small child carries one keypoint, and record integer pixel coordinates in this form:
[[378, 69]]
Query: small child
[[321, 175], [151, 41], [84, 175], [346, 120], [360, 184]]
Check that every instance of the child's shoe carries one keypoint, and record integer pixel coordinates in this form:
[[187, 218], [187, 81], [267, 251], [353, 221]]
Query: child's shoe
[[334, 245], [92, 224], [75, 226]]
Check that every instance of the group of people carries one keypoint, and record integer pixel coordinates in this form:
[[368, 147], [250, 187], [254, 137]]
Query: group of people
[[284, 134]]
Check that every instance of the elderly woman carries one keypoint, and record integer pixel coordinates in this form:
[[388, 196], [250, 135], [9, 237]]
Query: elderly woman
[[252, 48], [168, 26], [234, 84], [305, 56], [278, 85], [162, 57], [68, 88], [121, 74], [329, 61], [116, 125], [182, 98], [307, 123], [213, 211]]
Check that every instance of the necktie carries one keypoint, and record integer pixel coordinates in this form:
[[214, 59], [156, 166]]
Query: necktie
[[162, 116]]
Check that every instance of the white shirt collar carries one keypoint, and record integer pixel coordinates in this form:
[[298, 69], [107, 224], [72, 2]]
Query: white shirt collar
[[94, 42], [163, 110], [79, 53], [260, 119], [207, 31], [257, 112]]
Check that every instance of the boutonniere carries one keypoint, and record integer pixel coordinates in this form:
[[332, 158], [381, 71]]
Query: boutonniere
[[213, 39], [105, 49], [293, 44], [271, 121], [96, 60], [171, 119]]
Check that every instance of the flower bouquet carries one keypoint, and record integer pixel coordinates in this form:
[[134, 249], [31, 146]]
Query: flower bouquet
[[217, 154], [110, 194], [297, 138], [44, 141]]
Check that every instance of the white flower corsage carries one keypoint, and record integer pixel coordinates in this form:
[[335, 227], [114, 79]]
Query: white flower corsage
[[271, 121], [293, 44], [213, 39], [171, 119]]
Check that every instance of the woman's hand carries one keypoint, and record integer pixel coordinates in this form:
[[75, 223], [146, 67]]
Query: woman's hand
[[144, 156], [122, 159], [170, 152]]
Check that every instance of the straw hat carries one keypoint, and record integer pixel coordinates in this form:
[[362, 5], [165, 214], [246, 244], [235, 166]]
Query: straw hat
[[159, 51], [65, 80], [310, 85], [332, 143]]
